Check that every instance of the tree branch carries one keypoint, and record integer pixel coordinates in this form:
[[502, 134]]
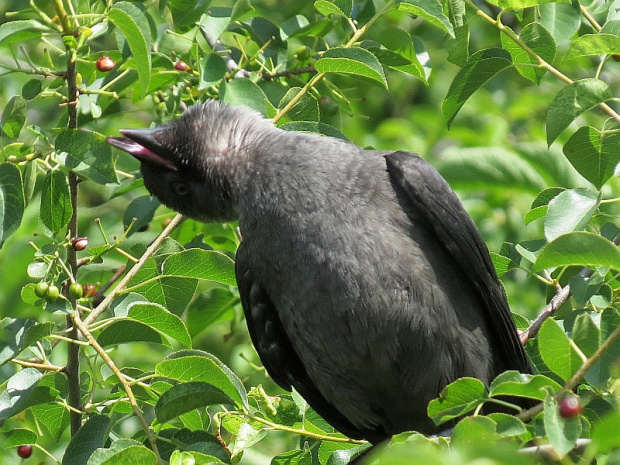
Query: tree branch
[[134, 270]]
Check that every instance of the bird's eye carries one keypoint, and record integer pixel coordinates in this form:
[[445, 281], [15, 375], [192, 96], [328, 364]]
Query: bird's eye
[[180, 188]]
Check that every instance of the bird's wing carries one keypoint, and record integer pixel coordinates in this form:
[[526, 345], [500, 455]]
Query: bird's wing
[[275, 349], [431, 196]]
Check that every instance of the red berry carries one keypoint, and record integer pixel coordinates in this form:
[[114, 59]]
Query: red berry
[[181, 66], [570, 407], [24, 451], [166, 222], [105, 64], [89, 290], [79, 243]]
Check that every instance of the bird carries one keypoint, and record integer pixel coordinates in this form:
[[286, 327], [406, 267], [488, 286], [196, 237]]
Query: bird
[[365, 284]]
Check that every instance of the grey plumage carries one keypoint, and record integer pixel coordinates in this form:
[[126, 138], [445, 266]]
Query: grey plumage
[[365, 284]]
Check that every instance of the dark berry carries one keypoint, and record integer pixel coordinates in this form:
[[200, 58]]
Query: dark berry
[[24, 451], [105, 64], [79, 243], [615, 57], [143, 228], [570, 407], [89, 290], [181, 66], [41, 289]]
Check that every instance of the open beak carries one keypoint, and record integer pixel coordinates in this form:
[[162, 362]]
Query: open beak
[[141, 144]]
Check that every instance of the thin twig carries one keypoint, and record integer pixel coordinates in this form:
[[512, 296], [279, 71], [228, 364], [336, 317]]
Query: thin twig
[[574, 380], [318, 77], [541, 62], [110, 363], [134, 270]]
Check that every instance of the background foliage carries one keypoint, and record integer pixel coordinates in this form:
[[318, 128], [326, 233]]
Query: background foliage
[[514, 101]]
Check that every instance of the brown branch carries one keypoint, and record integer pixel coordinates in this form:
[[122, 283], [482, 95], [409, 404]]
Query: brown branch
[[556, 302], [72, 369]]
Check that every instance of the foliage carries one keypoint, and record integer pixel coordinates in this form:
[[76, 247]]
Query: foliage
[[131, 371]]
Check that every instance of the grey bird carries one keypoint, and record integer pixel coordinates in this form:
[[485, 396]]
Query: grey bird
[[365, 284]]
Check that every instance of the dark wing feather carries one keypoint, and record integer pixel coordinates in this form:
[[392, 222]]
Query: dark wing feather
[[431, 196], [277, 353]]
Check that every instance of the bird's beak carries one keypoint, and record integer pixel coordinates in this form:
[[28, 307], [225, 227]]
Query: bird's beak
[[142, 144]]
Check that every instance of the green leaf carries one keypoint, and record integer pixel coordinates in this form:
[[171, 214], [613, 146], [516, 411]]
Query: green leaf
[[399, 53], [456, 399], [210, 307], [142, 209], [31, 89], [572, 101], [91, 436], [56, 208], [54, 416], [513, 383], [88, 154], [594, 154], [213, 69], [585, 333], [19, 436], [593, 44], [161, 320], [122, 332], [327, 8], [487, 167], [521, 4], [240, 9], [201, 264], [500, 263], [430, 10], [578, 248], [355, 60], [184, 397], [610, 321], [569, 211], [605, 437], [508, 425], [18, 388], [187, 12], [473, 430], [14, 116], [536, 37], [562, 434], [134, 26], [123, 451], [480, 68], [557, 350], [20, 30], [306, 109], [244, 93], [174, 293], [206, 368], [561, 20], [12, 202]]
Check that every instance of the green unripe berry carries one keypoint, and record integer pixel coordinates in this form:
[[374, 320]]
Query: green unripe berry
[[75, 290], [52, 294], [41, 289]]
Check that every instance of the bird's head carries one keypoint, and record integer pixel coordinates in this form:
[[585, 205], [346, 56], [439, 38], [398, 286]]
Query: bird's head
[[196, 164]]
